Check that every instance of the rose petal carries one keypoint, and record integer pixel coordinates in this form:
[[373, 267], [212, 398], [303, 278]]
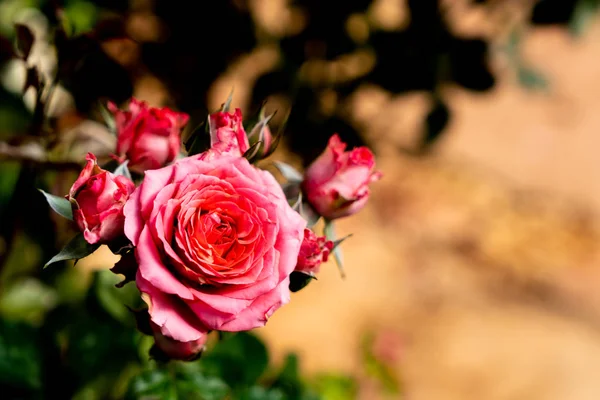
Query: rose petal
[[258, 313], [112, 224], [133, 218], [152, 268], [170, 313], [154, 181]]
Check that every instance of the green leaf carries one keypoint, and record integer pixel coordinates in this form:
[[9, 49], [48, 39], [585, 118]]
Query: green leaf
[[76, 249], [297, 205], [116, 301], [329, 232], [24, 258], [10, 174], [193, 384], [177, 381], [199, 140], [109, 118], [72, 285], [96, 344], [309, 214], [82, 15], [239, 359], [27, 300], [258, 129], [252, 152], [94, 390], [153, 384], [59, 204], [337, 242], [123, 170], [20, 357], [290, 382], [277, 137], [289, 173], [335, 387], [261, 393], [299, 280], [290, 370], [292, 192]]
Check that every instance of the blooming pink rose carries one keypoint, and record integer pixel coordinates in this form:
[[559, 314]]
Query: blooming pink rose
[[215, 241], [336, 184], [97, 198], [313, 251], [227, 134], [148, 137], [176, 350]]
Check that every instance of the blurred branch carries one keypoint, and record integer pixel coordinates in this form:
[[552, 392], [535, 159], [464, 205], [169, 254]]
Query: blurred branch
[[34, 153]]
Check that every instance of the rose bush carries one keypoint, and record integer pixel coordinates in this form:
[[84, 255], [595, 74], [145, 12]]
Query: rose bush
[[215, 241], [148, 137], [97, 198], [336, 184]]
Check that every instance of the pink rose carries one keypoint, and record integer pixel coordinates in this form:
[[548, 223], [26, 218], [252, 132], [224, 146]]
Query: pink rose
[[215, 241], [336, 184], [186, 351], [313, 251], [97, 198], [148, 137], [227, 134]]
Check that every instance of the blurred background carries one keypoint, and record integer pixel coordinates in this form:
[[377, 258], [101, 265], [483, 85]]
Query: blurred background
[[474, 270]]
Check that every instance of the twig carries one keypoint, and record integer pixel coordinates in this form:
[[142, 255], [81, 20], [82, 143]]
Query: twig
[[34, 154]]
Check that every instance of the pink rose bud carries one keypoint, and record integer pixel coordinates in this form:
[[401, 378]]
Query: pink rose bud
[[262, 139], [267, 140], [148, 137], [97, 198], [313, 251], [336, 184], [227, 134], [176, 350]]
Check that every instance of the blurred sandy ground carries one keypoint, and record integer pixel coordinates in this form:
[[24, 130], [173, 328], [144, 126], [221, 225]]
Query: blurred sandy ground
[[483, 259]]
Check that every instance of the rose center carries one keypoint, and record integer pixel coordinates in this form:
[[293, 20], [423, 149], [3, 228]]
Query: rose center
[[216, 230]]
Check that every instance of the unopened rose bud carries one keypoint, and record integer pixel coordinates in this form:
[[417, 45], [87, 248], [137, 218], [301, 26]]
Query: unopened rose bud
[[313, 251], [148, 137], [336, 184], [227, 134], [261, 137], [176, 350], [97, 198]]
